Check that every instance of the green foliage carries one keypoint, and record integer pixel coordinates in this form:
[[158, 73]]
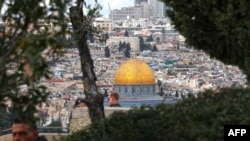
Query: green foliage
[[154, 49], [150, 38], [34, 30], [194, 118], [92, 12], [126, 33], [159, 83], [158, 39], [220, 28], [142, 45], [107, 52], [30, 35], [122, 46], [128, 46], [127, 51], [5, 118], [90, 38]]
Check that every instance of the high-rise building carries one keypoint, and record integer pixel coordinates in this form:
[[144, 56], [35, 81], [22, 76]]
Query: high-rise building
[[124, 13], [142, 10], [158, 8], [140, 1]]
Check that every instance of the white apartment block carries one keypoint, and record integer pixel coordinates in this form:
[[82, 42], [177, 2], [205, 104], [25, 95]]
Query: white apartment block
[[158, 8], [142, 22], [141, 9], [104, 24], [124, 13]]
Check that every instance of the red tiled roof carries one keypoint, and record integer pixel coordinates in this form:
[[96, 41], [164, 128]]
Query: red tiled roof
[[104, 85], [158, 43], [55, 80]]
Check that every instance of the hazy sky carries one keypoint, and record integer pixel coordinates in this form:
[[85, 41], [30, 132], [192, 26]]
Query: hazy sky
[[114, 4]]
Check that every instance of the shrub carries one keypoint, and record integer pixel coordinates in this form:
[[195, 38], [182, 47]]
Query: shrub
[[194, 118]]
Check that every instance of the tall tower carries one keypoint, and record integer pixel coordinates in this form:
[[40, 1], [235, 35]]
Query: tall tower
[[158, 8], [141, 10]]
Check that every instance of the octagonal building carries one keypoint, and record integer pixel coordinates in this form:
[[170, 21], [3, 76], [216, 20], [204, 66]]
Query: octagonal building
[[134, 78]]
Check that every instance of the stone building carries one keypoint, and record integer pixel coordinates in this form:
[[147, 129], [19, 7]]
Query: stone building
[[133, 41], [104, 24]]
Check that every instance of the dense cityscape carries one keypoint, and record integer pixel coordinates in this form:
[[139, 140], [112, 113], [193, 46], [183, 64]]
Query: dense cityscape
[[181, 70], [139, 32]]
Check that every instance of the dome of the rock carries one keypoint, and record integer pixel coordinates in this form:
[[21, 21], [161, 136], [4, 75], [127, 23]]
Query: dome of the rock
[[134, 77], [134, 72]]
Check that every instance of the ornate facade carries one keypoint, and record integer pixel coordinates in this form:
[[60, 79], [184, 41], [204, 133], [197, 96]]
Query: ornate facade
[[134, 78]]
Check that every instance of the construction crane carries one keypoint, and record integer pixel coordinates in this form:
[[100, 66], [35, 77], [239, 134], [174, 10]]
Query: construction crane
[[110, 12]]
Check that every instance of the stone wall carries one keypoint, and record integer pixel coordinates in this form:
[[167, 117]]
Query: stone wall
[[80, 116], [79, 120], [7, 137], [49, 136]]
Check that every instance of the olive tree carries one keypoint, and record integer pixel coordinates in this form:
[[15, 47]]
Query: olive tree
[[82, 25], [31, 32], [30, 36]]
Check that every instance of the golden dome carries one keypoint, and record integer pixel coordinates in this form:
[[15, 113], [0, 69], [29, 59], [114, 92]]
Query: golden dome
[[134, 72]]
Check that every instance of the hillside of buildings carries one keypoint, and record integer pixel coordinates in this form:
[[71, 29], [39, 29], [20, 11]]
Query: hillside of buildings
[[180, 69]]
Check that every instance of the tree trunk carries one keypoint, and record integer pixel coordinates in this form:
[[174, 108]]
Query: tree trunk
[[94, 99]]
